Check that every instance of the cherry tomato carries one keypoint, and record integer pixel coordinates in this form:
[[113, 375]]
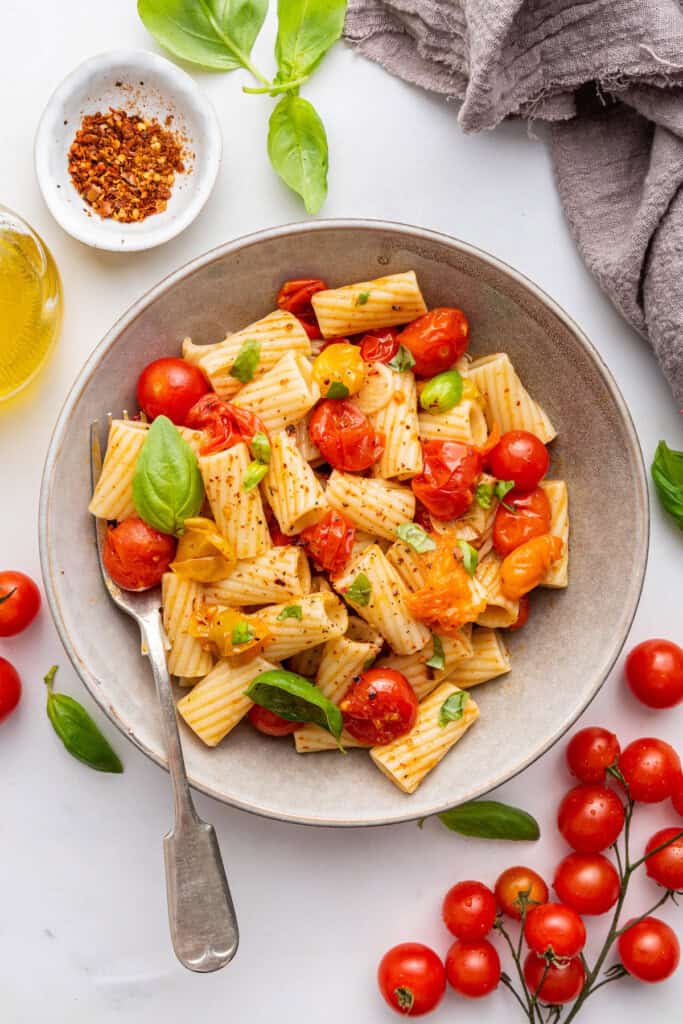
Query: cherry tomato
[[518, 885], [136, 555], [649, 950], [19, 602], [271, 724], [342, 364], [520, 456], [10, 688], [436, 340], [473, 967], [590, 818], [522, 614], [379, 706], [345, 435], [380, 346], [524, 568], [666, 866], [170, 387], [654, 671], [295, 296], [422, 517], [562, 982], [530, 518], [591, 752], [650, 767], [279, 539], [448, 481], [587, 882], [554, 928], [224, 424], [677, 793], [310, 325], [469, 910], [330, 542], [411, 978]]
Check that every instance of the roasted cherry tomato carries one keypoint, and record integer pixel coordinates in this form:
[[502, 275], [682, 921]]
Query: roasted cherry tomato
[[345, 435], [380, 346], [524, 568], [587, 882], [522, 614], [554, 928], [19, 602], [379, 706], [519, 886], [295, 296], [469, 910], [269, 723], [448, 480], [342, 364], [10, 688], [170, 387], [677, 793], [279, 539], [411, 978], [554, 983], [590, 752], [136, 555], [654, 671], [666, 866], [436, 340], [520, 456], [650, 767], [329, 542], [528, 516], [590, 818], [473, 967], [310, 325], [223, 423], [446, 599], [649, 950]]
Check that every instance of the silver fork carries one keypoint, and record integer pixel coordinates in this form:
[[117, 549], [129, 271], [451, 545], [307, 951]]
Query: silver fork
[[201, 914]]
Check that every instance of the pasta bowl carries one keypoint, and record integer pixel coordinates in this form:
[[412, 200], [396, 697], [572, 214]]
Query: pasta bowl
[[558, 663]]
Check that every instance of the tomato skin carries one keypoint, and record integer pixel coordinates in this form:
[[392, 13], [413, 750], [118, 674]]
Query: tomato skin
[[473, 967], [330, 542], [590, 752], [436, 340], [520, 456], [556, 928], [379, 706], [649, 950], [590, 818], [170, 387], [531, 518], [339, 363], [380, 346], [677, 793], [344, 435], [516, 880], [448, 480], [310, 325], [587, 882], [412, 979], [469, 910], [654, 672], [136, 555], [224, 424], [10, 688], [562, 982], [269, 723], [295, 296], [524, 568], [650, 767], [19, 602], [666, 867], [522, 614]]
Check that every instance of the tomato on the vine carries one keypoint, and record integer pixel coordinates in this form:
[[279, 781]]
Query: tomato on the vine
[[519, 885], [520, 456], [330, 542], [448, 480], [590, 752], [469, 910], [295, 296], [436, 340], [528, 516], [379, 706], [411, 978], [170, 387], [650, 767], [554, 928], [554, 983], [649, 950], [136, 555], [473, 967], [587, 882], [10, 688], [380, 346], [654, 671], [19, 602], [590, 817], [666, 866], [344, 435], [269, 723], [223, 423]]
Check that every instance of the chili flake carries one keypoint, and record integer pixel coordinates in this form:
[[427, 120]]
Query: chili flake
[[124, 165]]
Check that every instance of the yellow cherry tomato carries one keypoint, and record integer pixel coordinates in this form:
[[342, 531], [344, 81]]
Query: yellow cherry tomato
[[340, 364], [203, 554], [228, 631]]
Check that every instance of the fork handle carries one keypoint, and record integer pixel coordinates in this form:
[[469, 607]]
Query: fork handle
[[201, 914]]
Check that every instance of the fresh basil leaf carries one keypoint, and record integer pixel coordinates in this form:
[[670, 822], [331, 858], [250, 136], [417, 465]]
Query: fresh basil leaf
[[253, 475], [442, 392], [667, 473], [470, 556], [337, 390], [484, 494], [297, 147], [216, 34], [489, 819], [306, 31], [242, 633], [501, 489], [260, 448], [77, 731], [362, 298], [292, 611], [402, 361], [248, 358], [413, 534], [438, 658], [360, 591], [296, 699], [453, 708], [167, 484]]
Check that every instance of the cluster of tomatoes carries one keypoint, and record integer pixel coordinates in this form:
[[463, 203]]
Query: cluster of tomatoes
[[19, 605]]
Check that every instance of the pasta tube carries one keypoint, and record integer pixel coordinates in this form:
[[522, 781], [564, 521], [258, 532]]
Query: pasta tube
[[311, 739], [557, 494], [500, 611], [464, 422], [113, 495], [508, 403], [323, 616], [384, 302], [397, 420], [372, 505], [283, 395], [343, 659], [279, 574], [291, 487], [180, 598], [489, 659], [218, 703], [238, 513]]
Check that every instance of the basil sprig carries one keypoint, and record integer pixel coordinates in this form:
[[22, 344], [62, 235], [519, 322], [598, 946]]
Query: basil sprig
[[402, 361], [77, 731], [438, 658], [416, 537], [489, 819], [360, 591], [292, 697], [453, 708], [167, 484], [667, 473]]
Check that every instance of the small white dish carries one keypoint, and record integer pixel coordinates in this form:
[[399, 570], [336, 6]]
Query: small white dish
[[138, 82]]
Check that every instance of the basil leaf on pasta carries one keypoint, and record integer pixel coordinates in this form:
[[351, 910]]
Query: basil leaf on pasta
[[470, 556], [248, 358], [416, 537], [337, 390], [438, 658], [260, 448], [360, 591], [167, 484], [402, 361], [292, 611], [453, 708], [253, 475], [295, 698]]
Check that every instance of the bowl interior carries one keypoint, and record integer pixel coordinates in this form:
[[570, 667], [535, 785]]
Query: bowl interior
[[559, 661]]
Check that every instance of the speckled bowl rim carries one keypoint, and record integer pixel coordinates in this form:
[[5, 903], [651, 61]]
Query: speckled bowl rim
[[641, 502]]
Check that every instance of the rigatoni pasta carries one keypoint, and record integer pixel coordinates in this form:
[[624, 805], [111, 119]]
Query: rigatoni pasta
[[291, 487], [218, 702], [113, 494], [181, 599], [238, 513], [278, 574], [323, 616], [374, 506], [508, 403], [397, 421], [384, 302], [283, 395], [558, 497]]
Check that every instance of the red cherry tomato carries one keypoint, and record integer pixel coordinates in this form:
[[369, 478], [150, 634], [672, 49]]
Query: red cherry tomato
[[520, 456], [379, 706], [590, 818], [649, 950], [519, 885], [19, 602], [330, 542], [310, 325], [422, 517], [271, 724], [380, 346], [654, 671], [650, 767], [530, 518], [666, 866], [587, 882], [473, 967], [677, 793], [554, 928], [136, 555], [562, 982], [279, 539], [10, 688], [170, 387], [224, 424], [411, 978], [345, 435], [448, 481], [436, 340], [295, 296], [522, 614], [591, 752], [469, 910]]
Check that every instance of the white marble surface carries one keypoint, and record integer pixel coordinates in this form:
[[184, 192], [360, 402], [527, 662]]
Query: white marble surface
[[83, 933]]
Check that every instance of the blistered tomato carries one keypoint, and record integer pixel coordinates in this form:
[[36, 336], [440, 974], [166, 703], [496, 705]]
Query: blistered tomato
[[340, 364]]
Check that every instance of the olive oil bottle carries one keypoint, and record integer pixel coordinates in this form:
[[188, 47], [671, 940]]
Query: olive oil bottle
[[30, 303]]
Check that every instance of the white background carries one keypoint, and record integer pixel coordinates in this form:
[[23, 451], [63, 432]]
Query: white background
[[83, 934]]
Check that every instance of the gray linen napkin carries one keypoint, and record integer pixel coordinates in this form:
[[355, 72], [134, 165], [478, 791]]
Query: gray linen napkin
[[608, 76]]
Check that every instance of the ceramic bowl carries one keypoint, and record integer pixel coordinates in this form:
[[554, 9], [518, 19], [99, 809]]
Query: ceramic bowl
[[559, 661], [138, 82]]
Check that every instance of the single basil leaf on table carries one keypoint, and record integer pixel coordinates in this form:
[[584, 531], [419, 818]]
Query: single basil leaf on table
[[667, 473], [438, 659], [306, 31], [167, 484], [416, 537], [78, 732], [453, 708], [297, 147], [489, 819], [246, 361], [260, 448], [216, 34], [402, 361], [292, 697]]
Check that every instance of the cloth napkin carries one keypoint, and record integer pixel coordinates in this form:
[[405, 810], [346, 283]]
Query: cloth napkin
[[607, 75]]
